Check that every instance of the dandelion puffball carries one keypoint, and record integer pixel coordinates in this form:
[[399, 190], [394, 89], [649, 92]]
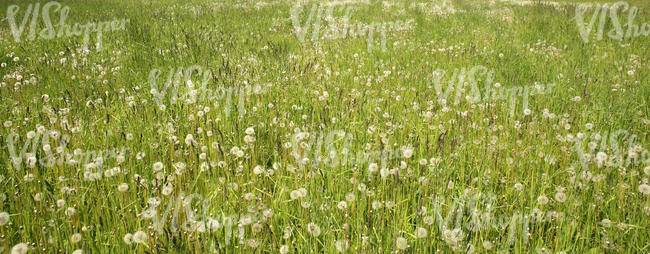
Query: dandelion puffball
[[421, 232], [250, 131], [645, 189], [284, 249], [313, 229], [341, 245], [519, 186], [542, 200], [4, 218], [157, 166], [408, 152], [123, 187], [75, 238], [139, 237], [20, 248], [401, 243]]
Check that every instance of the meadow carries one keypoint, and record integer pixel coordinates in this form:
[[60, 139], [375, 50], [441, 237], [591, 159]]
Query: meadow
[[446, 126]]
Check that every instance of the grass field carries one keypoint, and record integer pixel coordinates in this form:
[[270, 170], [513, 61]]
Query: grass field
[[447, 126]]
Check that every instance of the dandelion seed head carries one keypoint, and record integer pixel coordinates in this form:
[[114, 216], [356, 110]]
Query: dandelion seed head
[[123, 187], [75, 238], [139, 237], [341, 245], [645, 189], [20, 248], [421, 232], [4, 218], [542, 200], [284, 249], [519, 186], [128, 238], [157, 166], [313, 229], [401, 243]]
